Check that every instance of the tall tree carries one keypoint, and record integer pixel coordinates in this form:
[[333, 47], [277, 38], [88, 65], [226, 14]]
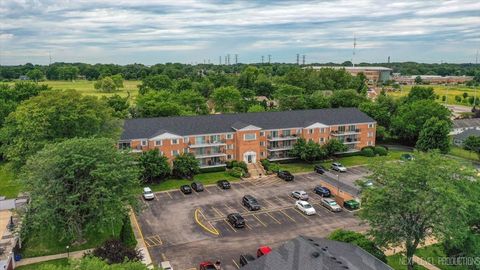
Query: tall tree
[[159, 103], [106, 84], [434, 135], [290, 97], [54, 116], [472, 144], [79, 185], [226, 99], [153, 166], [360, 240], [346, 98], [185, 165], [318, 100], [120, 105], [334, 146], [35, 75], [420, 197], [156, 83], [308, 151], [420, 93]]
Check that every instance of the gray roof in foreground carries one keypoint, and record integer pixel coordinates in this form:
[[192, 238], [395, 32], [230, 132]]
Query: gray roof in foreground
[[310, 253], [467, 133], [141, 128], [465, 123]]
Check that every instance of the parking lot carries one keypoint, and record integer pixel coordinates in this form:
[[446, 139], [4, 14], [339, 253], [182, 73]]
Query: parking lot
[[171, 232]]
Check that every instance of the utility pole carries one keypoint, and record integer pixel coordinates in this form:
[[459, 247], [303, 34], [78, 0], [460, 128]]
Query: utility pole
[[298, 59], [219, 60], [236, 59], [389, 59], [303, 59], [262, 59], [269, 58], [354, 46]]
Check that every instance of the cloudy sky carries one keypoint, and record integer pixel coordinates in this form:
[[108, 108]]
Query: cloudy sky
[[194, 31]]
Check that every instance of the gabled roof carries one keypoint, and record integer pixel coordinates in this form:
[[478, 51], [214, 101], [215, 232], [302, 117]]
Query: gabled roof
[[465, 123], [139, 128], [311, 253], [467, 133]]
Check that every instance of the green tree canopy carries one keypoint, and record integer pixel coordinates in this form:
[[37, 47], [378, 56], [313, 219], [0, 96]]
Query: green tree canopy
[[120, 105], [346, 98], [420, 93], [35, 75], [185, 165], [412, 201], [226, 99], [434, 135], [79, 185], [156, 83], [318, 100], [333, 146], [53, 116], [114, 251], [164, 103], [256, 108], [290, 97], [360, 240], [472, 143], [153, 166], [106, 84], [308, 151]]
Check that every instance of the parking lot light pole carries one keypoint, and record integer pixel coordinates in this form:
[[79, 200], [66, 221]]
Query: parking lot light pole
[[68, 251], [338, 184]]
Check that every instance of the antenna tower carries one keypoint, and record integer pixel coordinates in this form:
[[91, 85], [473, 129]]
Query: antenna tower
[[354, 46]]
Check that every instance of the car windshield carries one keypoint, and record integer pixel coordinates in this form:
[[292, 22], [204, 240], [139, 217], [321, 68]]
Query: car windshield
[[332, 203], [307, 205]]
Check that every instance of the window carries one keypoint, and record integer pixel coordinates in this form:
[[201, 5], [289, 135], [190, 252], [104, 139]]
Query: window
[[371, 125], [230, 146], [124, 145], [352, 128], [341, 128], [144, 142], [185, 150], [249, 136], [322, 140], [229, 156], [229, 136], [274, 134], [370, 134], [262, 143], [262, 154], [286, 132], [262, 133], [310, 131], [174, 152], [322, 130], [287, 143], [158, 143], [369, 143], [299, 131], [174, 141], [185, 139], [200, 140], [214, 138]]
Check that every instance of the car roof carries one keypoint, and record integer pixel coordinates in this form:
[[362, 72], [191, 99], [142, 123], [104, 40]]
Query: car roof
[[302, 202], [147, 189], [185, 186], [248, 196], [265, 249]]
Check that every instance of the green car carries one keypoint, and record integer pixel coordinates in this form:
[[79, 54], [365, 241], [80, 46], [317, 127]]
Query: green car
[[407, 157], [351, 205]]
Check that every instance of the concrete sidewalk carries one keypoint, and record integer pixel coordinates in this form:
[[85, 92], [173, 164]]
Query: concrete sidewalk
[[74, 255]]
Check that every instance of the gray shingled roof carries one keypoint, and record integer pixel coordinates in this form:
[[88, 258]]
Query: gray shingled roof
[[311, 253], [140, 128], [467, 133], [465, 123]]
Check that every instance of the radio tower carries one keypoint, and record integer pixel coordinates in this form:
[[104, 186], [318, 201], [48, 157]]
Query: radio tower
[[262, 59], [220, 60], [236, 59], [354, 46], [303, 59], [269, 58], [298, 59]]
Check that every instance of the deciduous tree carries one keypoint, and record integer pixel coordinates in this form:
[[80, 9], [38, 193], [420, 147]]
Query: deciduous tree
[[153, 166], [226, 99], [434, 135], [308, 151], [185, 165]]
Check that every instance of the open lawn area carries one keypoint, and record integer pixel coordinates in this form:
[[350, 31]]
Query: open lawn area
[[297, 167], [435, 255], [58, 262], [450, 91], [86, 87], [205, 178], [398, 262], [9, 187], [462, 153]]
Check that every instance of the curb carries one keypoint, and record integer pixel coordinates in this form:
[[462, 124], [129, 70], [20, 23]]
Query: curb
[[211, 230]]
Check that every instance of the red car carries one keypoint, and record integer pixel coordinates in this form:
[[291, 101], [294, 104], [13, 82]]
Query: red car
[[207, 266], [263, 250]]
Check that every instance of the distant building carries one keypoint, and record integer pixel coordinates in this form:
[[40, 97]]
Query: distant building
[[432, 79], [311, 253], [460, 125], [374, 75], [459, 138]]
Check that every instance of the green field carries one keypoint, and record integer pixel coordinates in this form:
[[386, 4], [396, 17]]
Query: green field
[[450, 91], [86, 87], [9, 187]]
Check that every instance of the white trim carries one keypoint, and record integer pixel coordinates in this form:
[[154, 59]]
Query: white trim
[[317, 125], [166, 135], [249, 127], [279, 129], [247, 140], [252, 154]]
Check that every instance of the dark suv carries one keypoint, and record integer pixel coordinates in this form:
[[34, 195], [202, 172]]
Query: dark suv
[[236, 220], [319, 169], [322, 191], [198, 187], [223, 184], [285, 175], [186, 189], [251, 203]]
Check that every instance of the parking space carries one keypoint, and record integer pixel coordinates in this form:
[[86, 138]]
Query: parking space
[[171, 232]]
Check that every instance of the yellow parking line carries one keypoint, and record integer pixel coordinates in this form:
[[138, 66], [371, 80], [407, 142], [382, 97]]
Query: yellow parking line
[[292, 219], [273, 218], [206, 189], [243, 206], [236, 265], [169, 195], [230, 208], [269, 203], [259, 220], [164, 258], [300, 213], [248, 226], [230, 225], [218, 212]]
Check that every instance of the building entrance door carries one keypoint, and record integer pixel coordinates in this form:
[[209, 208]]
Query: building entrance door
[[250, 157]]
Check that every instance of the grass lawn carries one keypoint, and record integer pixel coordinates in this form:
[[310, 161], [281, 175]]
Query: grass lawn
[[435, 255], [205, 178], [398, 262], [58, 262], [450, 91], [9, 187], [86, 87], [462, 153]]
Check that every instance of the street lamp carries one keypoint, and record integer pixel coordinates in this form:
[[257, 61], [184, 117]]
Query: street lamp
[[338, 184], [68, 251]]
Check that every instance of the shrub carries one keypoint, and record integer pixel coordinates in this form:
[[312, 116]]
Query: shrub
[[236, 172], [114, 251], [381, 151], [265, 163], [368, 152], [274, 167], [126, 234], [237, 164]]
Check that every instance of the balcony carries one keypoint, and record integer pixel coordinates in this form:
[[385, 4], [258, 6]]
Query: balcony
[[283, 138], [209, 154], [280, 148], [344, 133], [350, 141], [207, 143], [213, 165]]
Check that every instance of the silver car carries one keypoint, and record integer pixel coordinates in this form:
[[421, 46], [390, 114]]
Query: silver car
[[337, 166], [148, 193], [331, 204], [300, 195]]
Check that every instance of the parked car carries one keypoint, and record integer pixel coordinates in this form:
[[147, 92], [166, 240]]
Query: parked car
[[207, 266], [186, 189], [263, 250], [305, 207], [236, 220], [223, 184], [166, 265], [337, 166], [250, 202], [285, 175], [351, 205], [331, 204], [322, 191], [319, 169], [407, 157], [300, 194], [246, 259], [198, 187], [148, 193]]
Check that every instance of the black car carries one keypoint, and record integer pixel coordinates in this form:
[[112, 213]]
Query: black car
[[197, 186], [246, 259], [319, 169], [285, 175], [322, 191], [236, 220], [251, 203], [223, 184], [186, 189]]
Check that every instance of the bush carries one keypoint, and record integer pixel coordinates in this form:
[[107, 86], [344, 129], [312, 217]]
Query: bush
[[381, 151], [236, 172], [114, 251], [368, 152], [126, 234], [274, 167], [266, 164], [237, 164]]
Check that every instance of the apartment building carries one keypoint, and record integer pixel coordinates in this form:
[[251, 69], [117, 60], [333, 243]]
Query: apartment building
[[249, 137], [374, 75]]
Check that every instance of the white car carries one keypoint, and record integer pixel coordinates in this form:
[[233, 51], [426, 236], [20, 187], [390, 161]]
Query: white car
[[148, 193], [166, 265], [305, 207], [300, 194], [337, 166], [331, 204]]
